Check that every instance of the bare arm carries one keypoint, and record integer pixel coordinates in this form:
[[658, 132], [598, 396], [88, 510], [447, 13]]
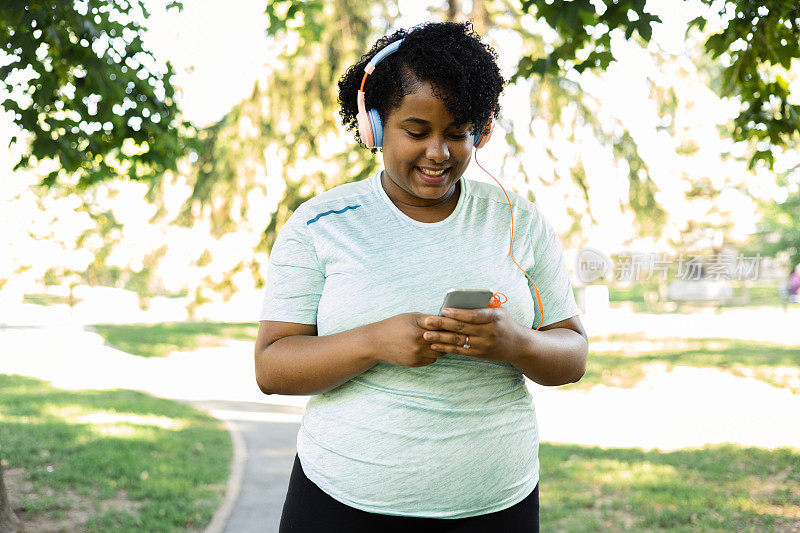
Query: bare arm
[[291, 359], [554, 355], [301, 363]]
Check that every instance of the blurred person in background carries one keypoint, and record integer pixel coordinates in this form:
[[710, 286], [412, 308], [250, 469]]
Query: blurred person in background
[[794, 284]]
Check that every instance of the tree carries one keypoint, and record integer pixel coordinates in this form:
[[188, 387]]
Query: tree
[[86, 93], [778, 231], [758, 43]]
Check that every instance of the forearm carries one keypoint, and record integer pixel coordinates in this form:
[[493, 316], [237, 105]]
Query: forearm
[[552, 357], [305, 365]]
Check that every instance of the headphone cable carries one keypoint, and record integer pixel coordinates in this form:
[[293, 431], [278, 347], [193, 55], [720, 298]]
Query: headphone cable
[[495, 301]]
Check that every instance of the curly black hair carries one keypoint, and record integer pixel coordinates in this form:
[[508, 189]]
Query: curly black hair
[[450, 56]]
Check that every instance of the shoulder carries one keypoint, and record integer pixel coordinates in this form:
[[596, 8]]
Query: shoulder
[[529, 219], [338, 199], [485, 194]]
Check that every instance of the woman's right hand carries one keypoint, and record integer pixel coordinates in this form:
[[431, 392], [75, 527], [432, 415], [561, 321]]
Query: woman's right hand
[[398, 340]]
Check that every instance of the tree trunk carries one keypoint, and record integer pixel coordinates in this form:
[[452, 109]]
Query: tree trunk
[[479, 16], [454, 12], [9, 523]]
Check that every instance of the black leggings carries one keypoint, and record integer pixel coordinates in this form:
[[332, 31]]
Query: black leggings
[[309, 509]]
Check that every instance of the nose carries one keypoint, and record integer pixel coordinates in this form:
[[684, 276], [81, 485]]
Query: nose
[[437, 150]]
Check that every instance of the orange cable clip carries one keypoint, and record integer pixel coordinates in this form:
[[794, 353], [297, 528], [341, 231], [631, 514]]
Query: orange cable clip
[[496, 300]]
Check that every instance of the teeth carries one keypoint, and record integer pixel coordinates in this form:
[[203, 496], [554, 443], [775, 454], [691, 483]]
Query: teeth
[[432, 172]]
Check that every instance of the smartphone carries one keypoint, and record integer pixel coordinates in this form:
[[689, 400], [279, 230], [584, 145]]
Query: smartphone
[[466, 299]]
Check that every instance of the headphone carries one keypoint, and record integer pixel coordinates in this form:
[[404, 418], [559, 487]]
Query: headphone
[[370, 126]]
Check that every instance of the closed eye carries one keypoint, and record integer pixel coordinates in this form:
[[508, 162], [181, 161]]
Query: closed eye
[[457, 136]]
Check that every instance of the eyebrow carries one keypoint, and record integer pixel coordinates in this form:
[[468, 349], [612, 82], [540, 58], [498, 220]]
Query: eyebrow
[[424, 122]]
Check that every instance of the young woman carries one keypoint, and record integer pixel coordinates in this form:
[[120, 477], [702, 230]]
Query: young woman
[[417, 421]]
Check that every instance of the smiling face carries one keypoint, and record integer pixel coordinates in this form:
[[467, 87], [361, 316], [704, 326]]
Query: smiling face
[[425, 152]]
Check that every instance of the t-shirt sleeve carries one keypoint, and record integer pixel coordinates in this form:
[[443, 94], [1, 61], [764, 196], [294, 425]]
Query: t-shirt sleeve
[[294, 275], [550, 274]]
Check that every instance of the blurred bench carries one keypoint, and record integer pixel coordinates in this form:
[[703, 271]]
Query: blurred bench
[[701, 292]]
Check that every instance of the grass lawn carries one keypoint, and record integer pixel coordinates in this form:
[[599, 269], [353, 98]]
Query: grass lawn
[[618, 360], [716, 488], [759, 293], [48, 299], [158, 340], [109, 460]]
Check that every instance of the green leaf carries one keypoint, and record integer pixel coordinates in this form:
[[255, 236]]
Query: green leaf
[[645, 30], [716, 45], [629, 31], [105, 78]]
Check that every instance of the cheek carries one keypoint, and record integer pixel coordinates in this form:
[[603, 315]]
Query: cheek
[[401, 154], [463, 153]]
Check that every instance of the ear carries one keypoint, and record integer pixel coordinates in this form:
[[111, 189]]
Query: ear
[[486, 134]]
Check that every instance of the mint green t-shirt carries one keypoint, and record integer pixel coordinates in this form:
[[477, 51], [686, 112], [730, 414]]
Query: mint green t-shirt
[[453, 439]]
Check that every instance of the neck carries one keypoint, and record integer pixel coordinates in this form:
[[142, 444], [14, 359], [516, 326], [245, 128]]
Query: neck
[[447, 197]]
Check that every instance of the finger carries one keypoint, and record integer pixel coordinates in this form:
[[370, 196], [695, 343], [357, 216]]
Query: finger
[[458, 326], [452, 348], [446, 337], [431, 322], [472, 316], [464, 315], [440, 323]]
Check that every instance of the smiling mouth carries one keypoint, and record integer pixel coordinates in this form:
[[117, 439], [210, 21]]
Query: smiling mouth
[[433, 173]]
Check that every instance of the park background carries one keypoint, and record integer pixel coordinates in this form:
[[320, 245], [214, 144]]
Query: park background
[[136, 236]]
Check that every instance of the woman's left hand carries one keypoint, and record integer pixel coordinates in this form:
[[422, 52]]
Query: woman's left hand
[[493, 334]]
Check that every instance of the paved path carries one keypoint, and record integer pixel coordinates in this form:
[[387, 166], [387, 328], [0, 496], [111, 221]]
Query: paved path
[[269, 433], [666, 410]]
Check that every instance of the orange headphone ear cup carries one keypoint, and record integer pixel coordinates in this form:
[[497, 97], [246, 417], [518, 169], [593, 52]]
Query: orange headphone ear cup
[[486, 134]]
